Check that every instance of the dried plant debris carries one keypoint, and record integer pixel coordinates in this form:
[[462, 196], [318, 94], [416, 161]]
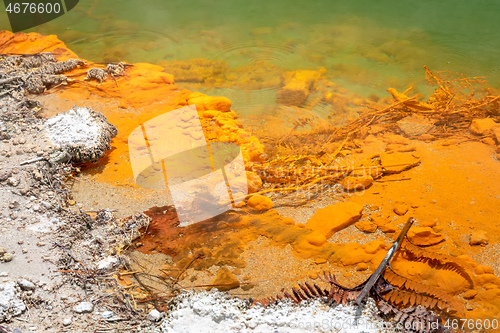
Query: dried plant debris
[[100, 74], [454, 104], [407, 304], [116, 69], [97, 74], [33, 73], [437, 260], [416, 318]]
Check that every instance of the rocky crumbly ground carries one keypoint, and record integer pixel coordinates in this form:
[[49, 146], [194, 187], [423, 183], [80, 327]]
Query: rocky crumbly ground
[[56, 262]]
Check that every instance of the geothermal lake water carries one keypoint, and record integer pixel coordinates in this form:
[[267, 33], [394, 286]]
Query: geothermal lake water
[[364, 46]]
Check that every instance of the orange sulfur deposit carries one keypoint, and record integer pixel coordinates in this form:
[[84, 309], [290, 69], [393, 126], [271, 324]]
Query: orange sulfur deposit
[[448, 183]]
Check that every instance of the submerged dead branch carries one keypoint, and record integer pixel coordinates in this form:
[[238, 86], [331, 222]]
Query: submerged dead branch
[[301, 160]]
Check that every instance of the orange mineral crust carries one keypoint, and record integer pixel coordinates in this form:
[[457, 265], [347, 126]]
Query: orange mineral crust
[[32, 42], [449, 183], [223, 240], [142, 92]]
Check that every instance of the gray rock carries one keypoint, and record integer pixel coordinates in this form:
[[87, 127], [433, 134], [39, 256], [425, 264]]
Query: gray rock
[[26, 285], [83, 307], [80, 135], [12, 181], [107, 264], [155, 315], [107, 314], [415, 125], [4, 174], [66, 321], [10, 304]]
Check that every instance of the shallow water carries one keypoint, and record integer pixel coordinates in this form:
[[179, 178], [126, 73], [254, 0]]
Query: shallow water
[[364, 46]]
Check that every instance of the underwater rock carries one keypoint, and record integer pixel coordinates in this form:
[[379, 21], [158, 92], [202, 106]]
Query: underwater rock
[[225, 280], [260, 202], [496, 134], [479, 237], [297, 86], [336, 217], [424, 236], [483, 126], [357, 183], [81, 135], [204, 103], [196, 70], [415, 125], [397, 162]]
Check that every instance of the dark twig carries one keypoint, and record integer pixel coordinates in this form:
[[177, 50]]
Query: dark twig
[[380, 269]]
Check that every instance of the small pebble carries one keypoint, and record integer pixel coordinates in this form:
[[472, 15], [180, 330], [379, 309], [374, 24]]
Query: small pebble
[[12, 181], [155, 315], [7, 257], [26, 285], [479, 237], [83, 307], [67, 322], [400, 209], [107, 314]]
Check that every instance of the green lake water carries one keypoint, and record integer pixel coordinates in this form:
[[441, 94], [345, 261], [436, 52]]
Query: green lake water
[[365, 46]]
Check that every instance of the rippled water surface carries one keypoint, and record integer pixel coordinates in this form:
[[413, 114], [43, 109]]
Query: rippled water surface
[[365, 46]]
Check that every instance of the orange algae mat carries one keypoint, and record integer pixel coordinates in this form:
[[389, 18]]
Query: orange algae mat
[[453, 192]]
